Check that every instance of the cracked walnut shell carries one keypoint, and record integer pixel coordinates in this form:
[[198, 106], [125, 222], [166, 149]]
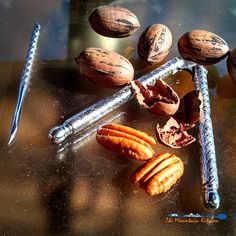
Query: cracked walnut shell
[[159, 174], [126, 141]]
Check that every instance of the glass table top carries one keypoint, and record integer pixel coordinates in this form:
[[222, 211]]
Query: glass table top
[[85, 189]]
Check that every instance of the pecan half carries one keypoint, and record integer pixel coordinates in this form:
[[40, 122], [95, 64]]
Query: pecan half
[[159, 174], [126, 141]]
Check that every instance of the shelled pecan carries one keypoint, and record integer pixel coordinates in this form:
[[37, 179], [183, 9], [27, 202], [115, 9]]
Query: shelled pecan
[[159, 174], [126, 141]]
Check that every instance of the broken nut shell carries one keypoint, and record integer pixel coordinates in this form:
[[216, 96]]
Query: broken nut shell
[[173, 134], [231, 65], [190, 109], [159, 98]]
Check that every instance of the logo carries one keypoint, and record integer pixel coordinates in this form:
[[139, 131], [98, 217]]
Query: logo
[[195, 218]]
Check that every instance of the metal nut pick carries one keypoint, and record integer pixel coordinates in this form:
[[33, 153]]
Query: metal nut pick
[[209, 175], [24, 82], [98, 110]]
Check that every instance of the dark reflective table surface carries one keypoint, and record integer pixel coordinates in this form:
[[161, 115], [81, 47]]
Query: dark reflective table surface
[[85, 189]]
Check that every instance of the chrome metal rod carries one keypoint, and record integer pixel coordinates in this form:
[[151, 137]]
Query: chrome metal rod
[[24, 82], [93, 113], [73, 145], [209, 175]]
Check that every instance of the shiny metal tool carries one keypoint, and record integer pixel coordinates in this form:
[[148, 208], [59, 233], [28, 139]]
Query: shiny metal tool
[[93, 113], [209, 173], [24, 82], [73, 145]]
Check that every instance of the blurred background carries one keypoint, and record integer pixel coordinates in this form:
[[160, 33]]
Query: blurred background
[[84, 189]]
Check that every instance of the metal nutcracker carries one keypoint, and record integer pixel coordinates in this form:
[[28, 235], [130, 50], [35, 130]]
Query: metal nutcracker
[[95, 112]]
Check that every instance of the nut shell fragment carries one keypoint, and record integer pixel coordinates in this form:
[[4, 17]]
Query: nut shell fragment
[[174, 133], [231, 65], [126, 141], [190, 109], [159, 98], [202, 47], [159, 174], [155, 43], [114, 21]]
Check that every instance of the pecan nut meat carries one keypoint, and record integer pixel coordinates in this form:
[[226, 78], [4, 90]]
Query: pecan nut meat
[[159, 174], [126, 141]]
